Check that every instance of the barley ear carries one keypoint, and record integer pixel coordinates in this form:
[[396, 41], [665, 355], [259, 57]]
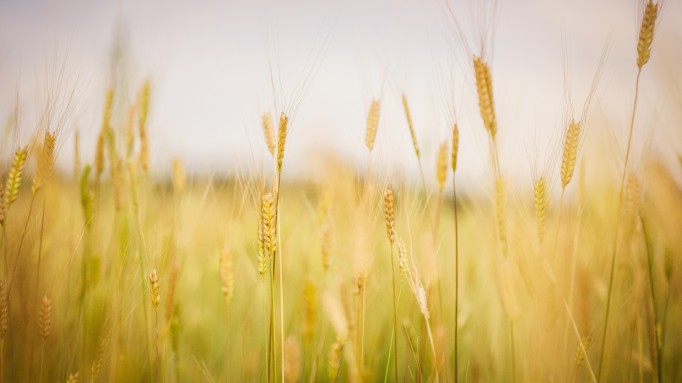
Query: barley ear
[[484, 89], [13, 183], [442, 166], [226, 276], [389, 215], [372, 124], [455, 147], [269, 132], [4, 310], [540, 201], [45, 162], [154, 289], [410, 125], [45, 318], [570, 152], [646, 33], [281, 140]]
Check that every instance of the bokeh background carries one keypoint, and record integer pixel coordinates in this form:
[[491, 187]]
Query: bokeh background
[[210, 65]]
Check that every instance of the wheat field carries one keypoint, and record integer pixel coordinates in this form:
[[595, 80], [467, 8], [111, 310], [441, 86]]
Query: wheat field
[[112, 272]]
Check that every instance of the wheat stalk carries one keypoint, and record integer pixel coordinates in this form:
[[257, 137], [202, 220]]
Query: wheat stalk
[[390, 231]]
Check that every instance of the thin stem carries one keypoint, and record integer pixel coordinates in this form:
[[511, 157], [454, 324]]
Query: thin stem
[[615, 236], [649, 250], [395, 318], [454, 195]]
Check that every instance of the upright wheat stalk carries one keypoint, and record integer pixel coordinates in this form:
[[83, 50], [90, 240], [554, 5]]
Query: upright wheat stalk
[[646, 37], [453, 165], [390, 231]]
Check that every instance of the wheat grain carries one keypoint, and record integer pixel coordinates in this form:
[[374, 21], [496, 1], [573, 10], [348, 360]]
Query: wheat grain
[[226, 276], [372, 124], [389, 215], [154, 289], [442, 166], [646, 33], [269, 132], [45, 162], [45, 318], [540, 199], [570, 152], [281, 140], [484, 89], [14, 177], [410, 125], [4, 310]]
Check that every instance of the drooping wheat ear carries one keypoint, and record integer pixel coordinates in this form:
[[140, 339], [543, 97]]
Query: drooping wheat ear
[[586, 342], [309, 309], [226, 276], [372, 124], [45, 318], [410, 125], [73, 378], [500, 212], [87, 197], [484, 89], [389, 214], [325, 245], [540, 193], [98, 362], [154, 289], [4, 310], [269, 225], [132, 177], [646, 33], [281, 140], [130, 131], [142, 126], [45, 162], [334, 358], [455, 147], [402, 258], [13, 183], [172, 284], [76, 156], [179, 176], [570, 151], [269, 132], [442, 166], [292, 360]]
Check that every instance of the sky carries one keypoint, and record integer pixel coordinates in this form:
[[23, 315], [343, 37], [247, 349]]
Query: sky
[[216, 66]]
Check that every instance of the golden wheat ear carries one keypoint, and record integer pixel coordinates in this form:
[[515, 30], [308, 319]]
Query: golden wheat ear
[[372, 124], [484, 89], [570, 152], [269, 132], [646, 33]]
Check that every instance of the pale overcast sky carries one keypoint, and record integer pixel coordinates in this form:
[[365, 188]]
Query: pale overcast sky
[[209, 64]]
